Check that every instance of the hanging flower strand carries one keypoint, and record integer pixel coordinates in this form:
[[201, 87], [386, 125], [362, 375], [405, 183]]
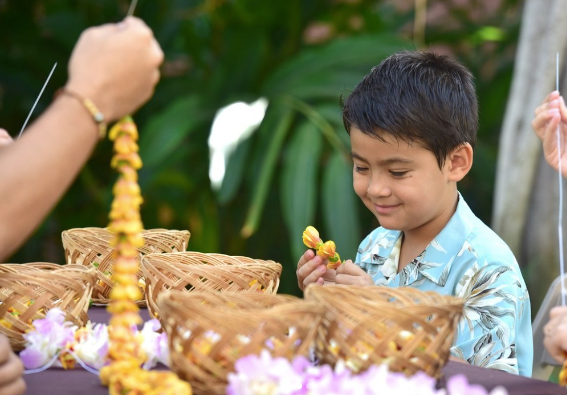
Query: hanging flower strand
[[326, 250], [124, 374]]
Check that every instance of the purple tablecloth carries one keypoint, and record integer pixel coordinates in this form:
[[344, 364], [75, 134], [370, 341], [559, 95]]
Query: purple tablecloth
[[78, 381]]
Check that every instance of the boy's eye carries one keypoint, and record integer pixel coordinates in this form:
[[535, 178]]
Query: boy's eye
[[360, 169], [398, 174]]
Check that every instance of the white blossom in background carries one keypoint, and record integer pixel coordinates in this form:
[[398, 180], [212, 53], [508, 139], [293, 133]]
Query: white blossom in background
[[232, 125]]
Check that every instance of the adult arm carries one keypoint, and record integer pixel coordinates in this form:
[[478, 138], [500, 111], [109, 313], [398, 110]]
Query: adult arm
[[116, 67]]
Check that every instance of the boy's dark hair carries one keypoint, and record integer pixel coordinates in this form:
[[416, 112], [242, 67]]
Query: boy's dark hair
[[416, 97]]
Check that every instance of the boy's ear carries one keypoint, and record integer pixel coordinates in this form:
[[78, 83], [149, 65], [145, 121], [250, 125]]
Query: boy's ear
[[460, 162]]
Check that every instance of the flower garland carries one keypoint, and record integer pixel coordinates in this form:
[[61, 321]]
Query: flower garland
[[58, 342], [326, 250], [264, 375], [123, 374]]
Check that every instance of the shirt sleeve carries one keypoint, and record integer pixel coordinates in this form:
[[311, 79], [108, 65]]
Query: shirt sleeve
[[495, 319]]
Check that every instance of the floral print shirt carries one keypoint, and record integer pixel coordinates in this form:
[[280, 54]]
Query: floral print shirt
[[466, 259]]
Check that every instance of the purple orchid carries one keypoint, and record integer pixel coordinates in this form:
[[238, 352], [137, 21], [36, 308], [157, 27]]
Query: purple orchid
[[51, 335], [264, 375]]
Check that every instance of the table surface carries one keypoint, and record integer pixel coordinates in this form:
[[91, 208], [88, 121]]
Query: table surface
[[78, 381]]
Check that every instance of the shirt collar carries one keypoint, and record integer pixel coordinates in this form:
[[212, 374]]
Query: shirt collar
[[439, 255]]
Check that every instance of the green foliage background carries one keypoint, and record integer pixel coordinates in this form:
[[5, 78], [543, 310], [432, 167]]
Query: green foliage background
[[294, 171]]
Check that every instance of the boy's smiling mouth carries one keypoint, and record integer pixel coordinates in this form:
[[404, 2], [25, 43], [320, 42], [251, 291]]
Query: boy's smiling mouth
[[385, 209]]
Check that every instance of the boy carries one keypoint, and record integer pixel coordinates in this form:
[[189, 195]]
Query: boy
[[412, 124]]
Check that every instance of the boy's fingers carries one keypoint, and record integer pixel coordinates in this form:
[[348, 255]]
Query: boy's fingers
[[315, 276], [349, 268], [306, 257]]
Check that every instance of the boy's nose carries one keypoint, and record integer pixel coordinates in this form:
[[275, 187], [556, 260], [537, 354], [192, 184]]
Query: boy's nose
[[378, 187]]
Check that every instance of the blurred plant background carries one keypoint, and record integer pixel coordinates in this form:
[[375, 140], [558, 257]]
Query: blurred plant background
[[298, 55]]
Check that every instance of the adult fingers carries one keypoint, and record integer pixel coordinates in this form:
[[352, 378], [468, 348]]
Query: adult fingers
[[563, 109], [548, 102], [16, 387], [557, 312], [11, 374], [5, 138], [543, 121]]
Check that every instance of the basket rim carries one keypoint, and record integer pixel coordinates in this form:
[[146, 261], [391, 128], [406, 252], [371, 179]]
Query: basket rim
[[322, 292]]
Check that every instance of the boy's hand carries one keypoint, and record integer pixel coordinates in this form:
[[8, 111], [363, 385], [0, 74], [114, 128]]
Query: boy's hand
[[350, 274], [312, 269], [548, 116], [555, 332]]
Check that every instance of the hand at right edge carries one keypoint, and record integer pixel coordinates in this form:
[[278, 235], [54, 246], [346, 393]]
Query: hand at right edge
[[549, 116]]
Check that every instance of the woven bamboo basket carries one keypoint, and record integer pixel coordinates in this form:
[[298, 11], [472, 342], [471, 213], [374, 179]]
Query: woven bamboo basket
[[209, 331], [194, 271], [29, 291], [406, 328], [90, 247]]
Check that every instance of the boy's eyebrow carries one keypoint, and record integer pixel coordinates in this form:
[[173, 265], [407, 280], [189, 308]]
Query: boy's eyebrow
[[384, 162]]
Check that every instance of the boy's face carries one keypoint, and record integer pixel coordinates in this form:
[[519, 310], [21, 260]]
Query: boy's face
[[402, 184]]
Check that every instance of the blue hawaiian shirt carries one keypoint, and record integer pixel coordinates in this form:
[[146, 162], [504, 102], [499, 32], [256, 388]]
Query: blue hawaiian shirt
[[466, 259]]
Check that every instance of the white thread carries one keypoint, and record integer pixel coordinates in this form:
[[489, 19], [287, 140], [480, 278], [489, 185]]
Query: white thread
[[36, 100], [54, 359], [44, 367], [560, 219], [132, 7]]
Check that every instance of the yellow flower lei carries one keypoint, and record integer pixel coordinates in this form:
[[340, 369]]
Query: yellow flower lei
[[124, 374]]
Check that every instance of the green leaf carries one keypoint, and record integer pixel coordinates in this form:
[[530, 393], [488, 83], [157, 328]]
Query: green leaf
[[260, 190], [326, 71], [234, 171], [165, 131], [318, 120], [299, 183], [340, 213]]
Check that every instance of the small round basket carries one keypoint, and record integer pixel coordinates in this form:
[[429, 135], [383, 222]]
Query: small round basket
[[209, 331], [194, 271], [90, 247], [28, 291], [408, 329]]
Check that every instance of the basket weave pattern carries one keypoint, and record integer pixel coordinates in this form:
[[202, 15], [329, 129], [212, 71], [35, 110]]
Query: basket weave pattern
[[209, 331], [411, 330], [29, 291], [194, 271], [90, 247]]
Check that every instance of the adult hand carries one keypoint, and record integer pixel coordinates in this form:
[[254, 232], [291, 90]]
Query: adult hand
[[116, 67], [312, 269], [550, 115], [11, 369], [5, 138], [350, 274], [555, 332]]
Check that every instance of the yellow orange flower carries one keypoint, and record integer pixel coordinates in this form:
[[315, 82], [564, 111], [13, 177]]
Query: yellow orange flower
[[311, 237], [327, 250], [124, 374], [126, 187], [127, 128], [125, 144], [131, 158]]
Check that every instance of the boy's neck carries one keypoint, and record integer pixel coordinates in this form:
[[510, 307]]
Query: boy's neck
[[415, 241]]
